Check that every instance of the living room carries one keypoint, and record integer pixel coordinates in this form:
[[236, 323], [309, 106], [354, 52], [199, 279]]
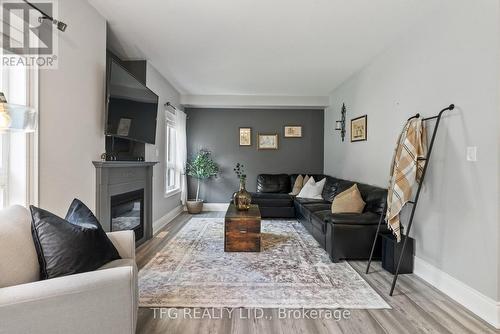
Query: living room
[[236, 166]]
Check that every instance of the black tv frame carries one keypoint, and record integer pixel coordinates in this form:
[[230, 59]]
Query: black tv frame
[[112, 58]]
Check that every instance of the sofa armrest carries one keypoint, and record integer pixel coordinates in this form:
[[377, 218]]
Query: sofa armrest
[[102, 301], [124, 241]]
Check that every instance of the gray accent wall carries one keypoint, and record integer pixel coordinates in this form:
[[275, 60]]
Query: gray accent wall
[[217, 130]]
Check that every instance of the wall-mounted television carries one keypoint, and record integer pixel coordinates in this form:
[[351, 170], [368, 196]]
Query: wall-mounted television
[[131, 107]]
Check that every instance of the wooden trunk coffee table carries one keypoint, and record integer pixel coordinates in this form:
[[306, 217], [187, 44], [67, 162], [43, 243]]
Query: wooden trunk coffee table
[[242, 230]]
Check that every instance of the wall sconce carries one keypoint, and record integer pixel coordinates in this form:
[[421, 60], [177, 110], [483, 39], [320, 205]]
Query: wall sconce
[[340, 125]]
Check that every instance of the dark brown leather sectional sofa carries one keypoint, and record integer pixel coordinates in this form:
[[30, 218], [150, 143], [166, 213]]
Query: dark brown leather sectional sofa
[[343, 236]]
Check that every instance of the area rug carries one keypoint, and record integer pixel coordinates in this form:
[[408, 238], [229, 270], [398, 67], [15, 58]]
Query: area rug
[[291, 271]]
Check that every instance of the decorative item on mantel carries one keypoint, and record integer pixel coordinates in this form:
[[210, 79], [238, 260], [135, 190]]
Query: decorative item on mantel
[[340, 125], [202, 167], [242, 198]]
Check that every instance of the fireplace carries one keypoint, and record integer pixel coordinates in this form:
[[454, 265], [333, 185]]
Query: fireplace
[[124, 197], [127, 212]]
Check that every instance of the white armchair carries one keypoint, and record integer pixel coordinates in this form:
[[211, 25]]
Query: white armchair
[[102, 301]]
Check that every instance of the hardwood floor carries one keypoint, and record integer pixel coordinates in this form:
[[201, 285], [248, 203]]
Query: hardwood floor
[[416, 307]]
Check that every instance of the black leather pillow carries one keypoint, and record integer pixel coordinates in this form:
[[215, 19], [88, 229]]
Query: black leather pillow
[[69, 246]]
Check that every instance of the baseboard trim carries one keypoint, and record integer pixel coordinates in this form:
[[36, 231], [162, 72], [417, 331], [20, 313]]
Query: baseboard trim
[[160, 223], [215, 206], [483, 306]]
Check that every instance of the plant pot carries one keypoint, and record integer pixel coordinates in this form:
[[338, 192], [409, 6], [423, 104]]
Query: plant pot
[[194, 207]]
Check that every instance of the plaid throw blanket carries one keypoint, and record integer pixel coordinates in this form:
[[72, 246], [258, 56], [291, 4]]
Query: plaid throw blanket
[[406, 171]]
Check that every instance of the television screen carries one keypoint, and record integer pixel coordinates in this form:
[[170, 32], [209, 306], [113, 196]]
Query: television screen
[[131, 107]]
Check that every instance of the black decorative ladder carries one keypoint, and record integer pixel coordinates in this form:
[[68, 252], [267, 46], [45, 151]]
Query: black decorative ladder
[[415, 200]]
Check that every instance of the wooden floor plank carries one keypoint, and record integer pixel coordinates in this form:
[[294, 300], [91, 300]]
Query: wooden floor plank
[[417, 307]]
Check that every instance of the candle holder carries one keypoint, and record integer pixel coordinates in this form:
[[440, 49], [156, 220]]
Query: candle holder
[[340, 125]]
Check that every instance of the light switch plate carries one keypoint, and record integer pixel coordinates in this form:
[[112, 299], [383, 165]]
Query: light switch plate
[[472, 153]]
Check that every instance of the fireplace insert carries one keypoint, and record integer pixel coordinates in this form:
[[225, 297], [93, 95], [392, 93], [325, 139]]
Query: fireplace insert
[[127, 213]]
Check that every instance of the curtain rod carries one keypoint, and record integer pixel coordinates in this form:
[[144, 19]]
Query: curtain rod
[[168, 104]]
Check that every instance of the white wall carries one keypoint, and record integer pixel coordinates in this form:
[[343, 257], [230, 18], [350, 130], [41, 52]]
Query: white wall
[[453, 57], [162, 206], [72, 115], [72, 110]]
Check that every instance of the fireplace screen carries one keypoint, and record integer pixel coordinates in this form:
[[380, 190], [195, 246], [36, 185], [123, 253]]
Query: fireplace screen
[[127, 212]]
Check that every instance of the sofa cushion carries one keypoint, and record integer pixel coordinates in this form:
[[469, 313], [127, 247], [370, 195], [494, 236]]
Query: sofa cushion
[[365, 218], [333, 187], [304, 201], [313, 207], [305, 206], [272, 200], [330, 188], [18, 260], [273, 183], [69, 246], [374, 197]]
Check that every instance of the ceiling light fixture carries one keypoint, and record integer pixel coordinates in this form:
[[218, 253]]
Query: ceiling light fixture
[[61, 26]]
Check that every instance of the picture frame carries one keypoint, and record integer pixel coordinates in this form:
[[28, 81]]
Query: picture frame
[[268, 141], [292, 131], [245, 135], [124, 127], [359, 128]]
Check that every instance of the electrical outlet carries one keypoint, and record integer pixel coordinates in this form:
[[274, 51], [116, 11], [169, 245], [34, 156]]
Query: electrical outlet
[[472, 153]]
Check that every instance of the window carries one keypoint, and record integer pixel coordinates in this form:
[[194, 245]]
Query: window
[[172, 173], [18, 164]]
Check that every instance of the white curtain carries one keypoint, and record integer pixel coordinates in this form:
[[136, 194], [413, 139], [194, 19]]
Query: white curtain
[[180, 125]]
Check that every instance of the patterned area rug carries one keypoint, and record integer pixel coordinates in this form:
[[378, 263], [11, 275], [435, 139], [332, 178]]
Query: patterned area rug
[[291, 271]]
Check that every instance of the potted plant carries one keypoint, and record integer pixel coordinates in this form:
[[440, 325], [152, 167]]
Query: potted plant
[[201, 167]]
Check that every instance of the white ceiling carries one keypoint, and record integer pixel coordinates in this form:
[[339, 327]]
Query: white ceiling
[[258, 47]]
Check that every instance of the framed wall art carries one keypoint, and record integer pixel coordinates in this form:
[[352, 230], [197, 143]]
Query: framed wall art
[[293, 131], [268, 141], [359, 128], [245, 136]]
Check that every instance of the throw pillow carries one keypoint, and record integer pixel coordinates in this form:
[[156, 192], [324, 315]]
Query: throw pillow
[[312, 189], [306, 179], [297, 186], [69, 246], [348, 201]]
